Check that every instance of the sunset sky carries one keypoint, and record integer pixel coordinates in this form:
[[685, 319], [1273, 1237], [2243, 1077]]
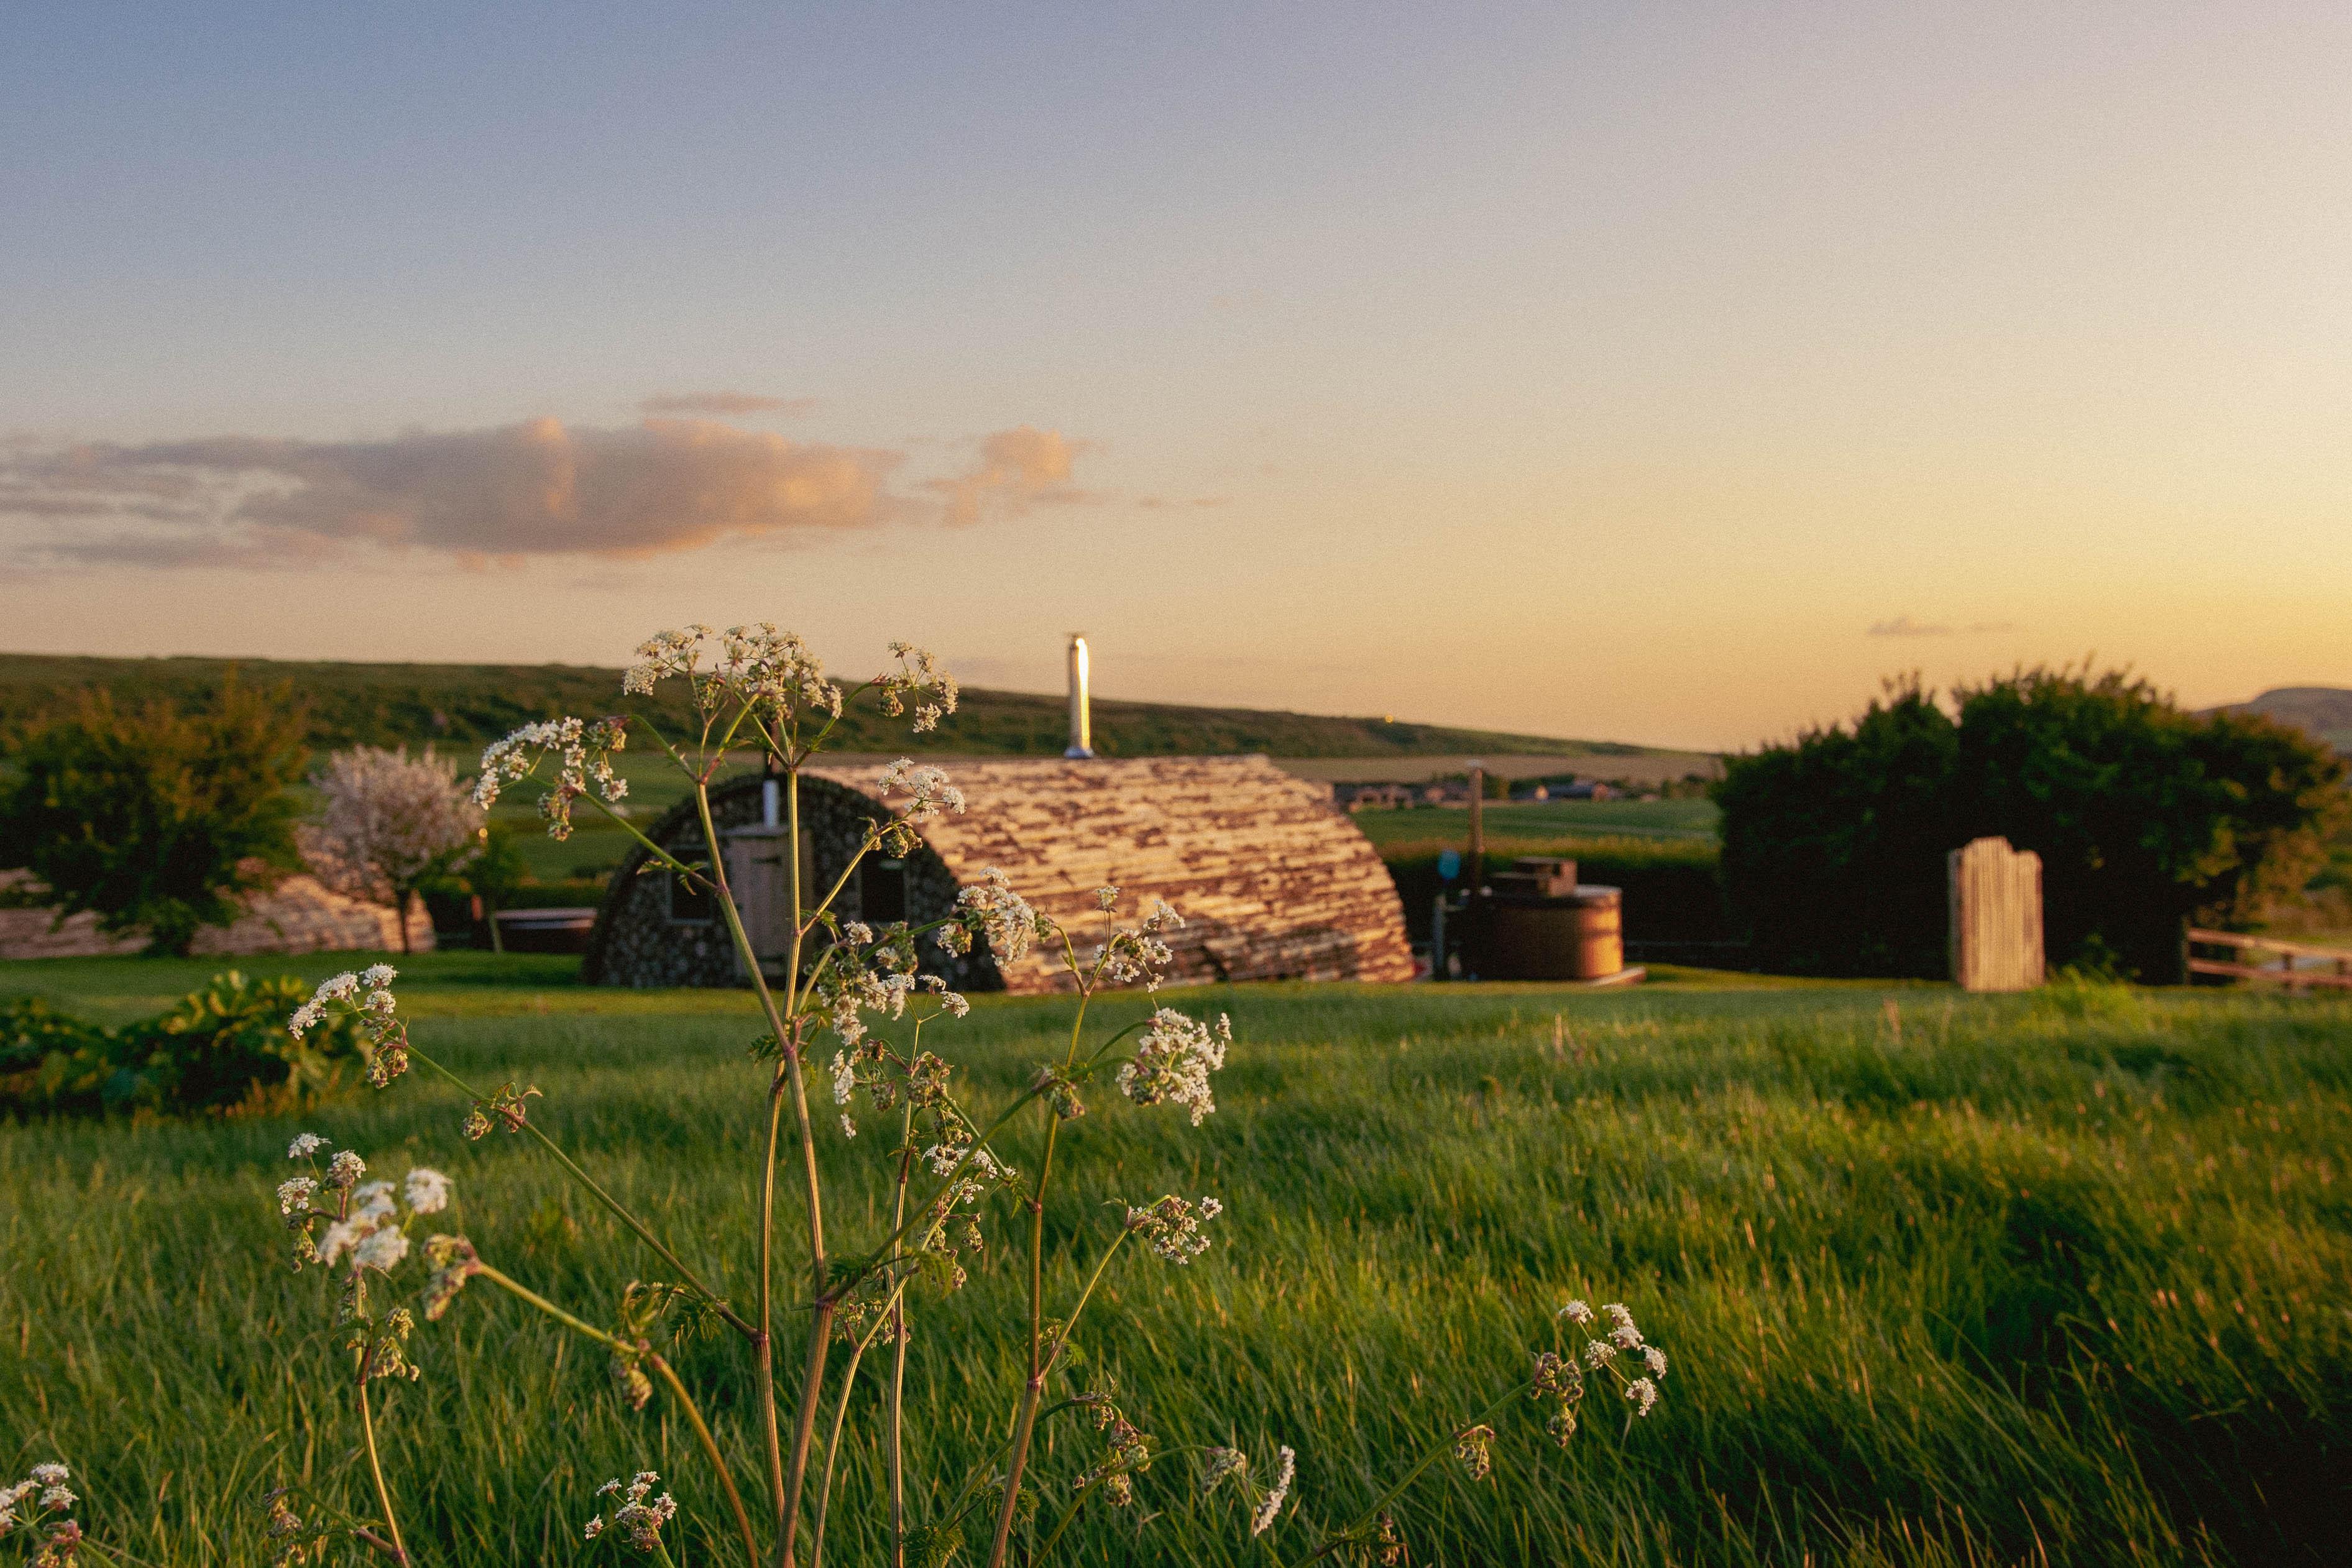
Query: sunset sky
[[1658, 373]]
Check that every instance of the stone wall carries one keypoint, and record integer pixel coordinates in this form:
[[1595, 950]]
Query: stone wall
[[298, 915]]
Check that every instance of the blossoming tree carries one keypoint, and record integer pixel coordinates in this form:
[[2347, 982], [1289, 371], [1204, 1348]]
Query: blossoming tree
[[949, 1166], [388, 823]]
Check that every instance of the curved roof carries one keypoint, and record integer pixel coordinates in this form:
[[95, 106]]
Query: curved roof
[[1273, 880]]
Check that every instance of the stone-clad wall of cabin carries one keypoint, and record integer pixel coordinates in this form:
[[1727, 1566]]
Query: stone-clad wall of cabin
[[635, 942], [1273, 880]]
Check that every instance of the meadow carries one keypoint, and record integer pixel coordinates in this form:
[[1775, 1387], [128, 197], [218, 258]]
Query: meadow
[[1944, 1279]]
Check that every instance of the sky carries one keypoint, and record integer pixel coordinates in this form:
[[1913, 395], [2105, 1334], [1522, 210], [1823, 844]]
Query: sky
[[1667, 372]]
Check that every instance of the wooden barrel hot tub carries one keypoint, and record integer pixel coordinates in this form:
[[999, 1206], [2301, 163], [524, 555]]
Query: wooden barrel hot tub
[[1576, 935]]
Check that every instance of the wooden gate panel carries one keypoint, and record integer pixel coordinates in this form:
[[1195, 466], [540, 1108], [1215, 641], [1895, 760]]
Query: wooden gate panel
[[1996, 915]]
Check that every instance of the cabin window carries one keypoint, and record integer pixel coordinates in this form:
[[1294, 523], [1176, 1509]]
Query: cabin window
[[690, 902], [882, 892]]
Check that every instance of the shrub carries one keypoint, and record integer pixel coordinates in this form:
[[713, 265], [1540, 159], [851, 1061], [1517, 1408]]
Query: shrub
[[153, 819], [223, 1047], [1833, 846], [2144, 816]]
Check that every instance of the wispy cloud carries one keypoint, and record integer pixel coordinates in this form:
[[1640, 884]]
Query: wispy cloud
[[537, 489], [727, 405], [1017, 469], [1904, 626]]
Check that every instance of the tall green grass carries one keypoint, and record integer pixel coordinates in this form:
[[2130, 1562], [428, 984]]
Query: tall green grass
[[1944, 1279]]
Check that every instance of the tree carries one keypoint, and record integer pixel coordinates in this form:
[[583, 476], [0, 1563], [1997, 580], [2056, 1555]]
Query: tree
[[153, 817], [388, 823], [2144, 816], [1833, 845]]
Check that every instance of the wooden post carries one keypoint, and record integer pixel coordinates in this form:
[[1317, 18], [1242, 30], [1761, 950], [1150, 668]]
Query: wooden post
[[1477, 855], [1996, 907]]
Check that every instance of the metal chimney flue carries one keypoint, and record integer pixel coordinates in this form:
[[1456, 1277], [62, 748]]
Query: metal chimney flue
[[1081, 720]]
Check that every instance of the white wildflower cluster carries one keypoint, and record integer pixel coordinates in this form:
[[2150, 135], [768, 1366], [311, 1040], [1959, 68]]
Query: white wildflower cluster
[[919, 681], [386, 819], [1269, 1507], [668, 653], [363, 1219], [40, 1502], [862, 974], [1218, 1465], [636, 1521], [1138, 952], [1616, 1350], [367, 997], [583, 751], [1174, 1061], [929, 794], [752, 666], [989, 909], [425, 1190], [1172, 1227]]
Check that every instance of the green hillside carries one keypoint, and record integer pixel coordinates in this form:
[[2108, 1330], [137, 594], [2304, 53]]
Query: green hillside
[[382, 703]]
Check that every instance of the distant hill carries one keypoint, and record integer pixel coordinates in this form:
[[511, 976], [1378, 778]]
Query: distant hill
[[2325, 711], [471, 704]]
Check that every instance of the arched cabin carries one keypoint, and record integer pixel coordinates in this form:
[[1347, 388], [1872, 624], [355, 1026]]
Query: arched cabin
[[1273, 880]]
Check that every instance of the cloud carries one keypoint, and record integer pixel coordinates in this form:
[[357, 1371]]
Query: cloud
[[728, 404], [1904, 626], [498, 495], [1017, 469]]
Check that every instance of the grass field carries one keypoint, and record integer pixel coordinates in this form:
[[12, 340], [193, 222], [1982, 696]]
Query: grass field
[[1508, 824], [1944, 1279]]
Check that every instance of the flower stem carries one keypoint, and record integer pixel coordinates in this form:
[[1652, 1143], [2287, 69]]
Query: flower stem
[[669, 1375], [821, 1321], [620, 1212], [1031, 1390], [375, 1467], [893, 1432], [841, 1416], [710, 1447], [781, 1497], [1354, 1526]]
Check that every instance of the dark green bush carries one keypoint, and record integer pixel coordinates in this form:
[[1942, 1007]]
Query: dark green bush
[[155, 819], [2144, 816], [220, 1049], [1833, 847]]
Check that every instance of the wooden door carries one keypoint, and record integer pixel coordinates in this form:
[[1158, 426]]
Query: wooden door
[[757, 873]]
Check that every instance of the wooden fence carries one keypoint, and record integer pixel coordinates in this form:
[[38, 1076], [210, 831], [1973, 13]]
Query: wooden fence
[[2287, 971]]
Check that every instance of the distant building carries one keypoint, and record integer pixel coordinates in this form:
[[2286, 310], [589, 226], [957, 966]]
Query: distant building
[[1273, 880], [1373, 797]]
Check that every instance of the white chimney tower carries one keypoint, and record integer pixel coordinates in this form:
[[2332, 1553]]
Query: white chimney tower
[[1081, 721]]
